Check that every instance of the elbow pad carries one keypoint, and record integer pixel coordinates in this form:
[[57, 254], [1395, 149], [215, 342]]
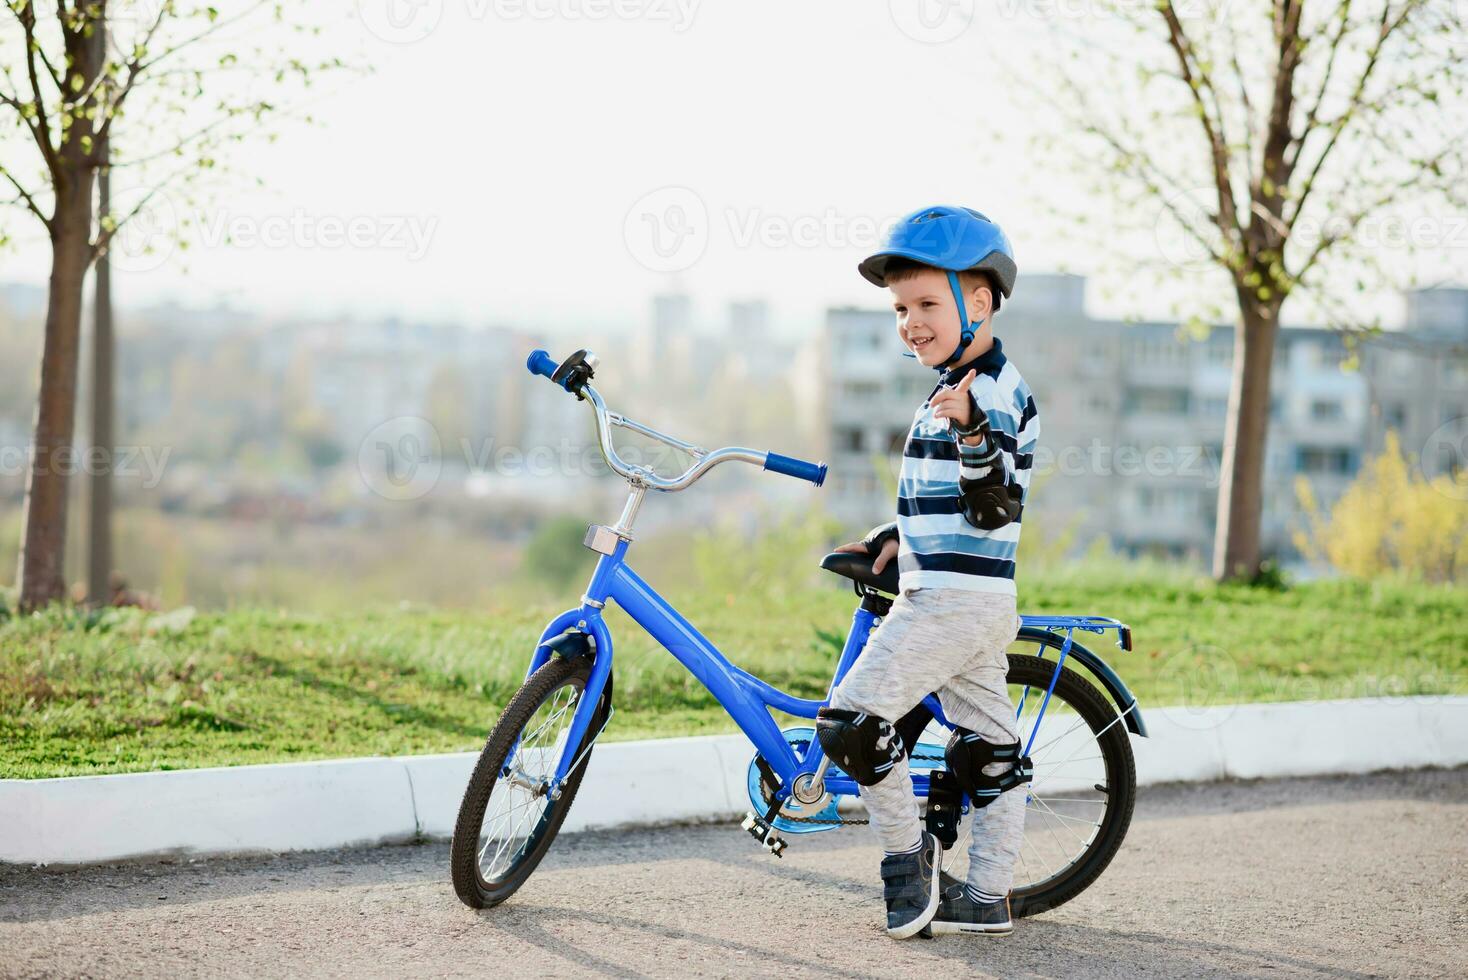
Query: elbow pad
[[990, 507]]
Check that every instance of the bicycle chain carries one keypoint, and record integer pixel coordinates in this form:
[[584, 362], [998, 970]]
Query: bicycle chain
[[838, 821]]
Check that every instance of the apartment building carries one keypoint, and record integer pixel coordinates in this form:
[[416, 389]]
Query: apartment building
[[1133, 414]]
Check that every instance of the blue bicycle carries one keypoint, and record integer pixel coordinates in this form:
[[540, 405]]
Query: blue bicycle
[[1076, 736]]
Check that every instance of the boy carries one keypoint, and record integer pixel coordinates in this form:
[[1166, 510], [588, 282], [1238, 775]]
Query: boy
[[965, 473]]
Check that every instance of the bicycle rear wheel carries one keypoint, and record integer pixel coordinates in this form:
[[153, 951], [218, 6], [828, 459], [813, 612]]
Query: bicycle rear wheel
[[1079, 805], [509, 817]]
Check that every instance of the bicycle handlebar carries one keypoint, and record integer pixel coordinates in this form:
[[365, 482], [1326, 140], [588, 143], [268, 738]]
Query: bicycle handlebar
[[540, 362], [798, 468]]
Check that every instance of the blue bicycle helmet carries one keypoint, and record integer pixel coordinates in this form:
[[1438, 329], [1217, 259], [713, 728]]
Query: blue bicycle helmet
[[954, 240]]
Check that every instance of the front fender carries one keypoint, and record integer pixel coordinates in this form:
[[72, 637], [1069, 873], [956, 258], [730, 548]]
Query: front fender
[[1109, 680], [578, 620], [587, 622]]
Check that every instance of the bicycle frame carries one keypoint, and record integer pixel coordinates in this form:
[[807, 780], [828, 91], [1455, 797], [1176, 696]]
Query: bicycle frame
[[746, 698]]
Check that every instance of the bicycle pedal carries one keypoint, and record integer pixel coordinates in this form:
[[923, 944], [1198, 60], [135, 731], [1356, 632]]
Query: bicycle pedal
[[765, 834]]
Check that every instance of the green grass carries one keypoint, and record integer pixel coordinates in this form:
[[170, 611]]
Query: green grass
[[131, 691]]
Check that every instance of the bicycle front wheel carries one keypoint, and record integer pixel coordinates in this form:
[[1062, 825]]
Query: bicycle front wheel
[[509, 815]]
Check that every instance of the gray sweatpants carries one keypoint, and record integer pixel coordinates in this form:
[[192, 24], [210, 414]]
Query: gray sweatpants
[[951, 641]]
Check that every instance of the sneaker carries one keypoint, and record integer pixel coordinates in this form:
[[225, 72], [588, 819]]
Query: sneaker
[[959, 913], [910, 887], [949, 887]]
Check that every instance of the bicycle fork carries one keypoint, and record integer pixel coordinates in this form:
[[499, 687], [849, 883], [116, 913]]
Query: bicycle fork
[[576, 632]]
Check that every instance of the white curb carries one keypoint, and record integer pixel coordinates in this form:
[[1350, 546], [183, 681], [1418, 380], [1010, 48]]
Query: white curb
[[311, 805]]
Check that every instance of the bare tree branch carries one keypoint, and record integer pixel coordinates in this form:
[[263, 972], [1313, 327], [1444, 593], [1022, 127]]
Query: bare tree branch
[[27, 17], [137, 66], [56, 80], [1197, 79], [1246, 105], [174, 148], [1351, 222], [1312, 115], [30, 201], [1386, 27], [1079, 113], [105, 235]]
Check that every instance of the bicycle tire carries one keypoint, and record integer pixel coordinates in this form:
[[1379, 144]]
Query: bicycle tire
[[469, 883], [1121, 776]]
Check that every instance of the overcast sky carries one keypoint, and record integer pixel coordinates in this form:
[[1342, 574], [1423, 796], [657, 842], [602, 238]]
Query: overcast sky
[[543, 161]]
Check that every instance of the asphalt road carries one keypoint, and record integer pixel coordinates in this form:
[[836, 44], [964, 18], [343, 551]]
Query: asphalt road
[[1353, 877]]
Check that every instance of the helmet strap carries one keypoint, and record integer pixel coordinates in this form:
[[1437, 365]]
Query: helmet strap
[[967, 329]]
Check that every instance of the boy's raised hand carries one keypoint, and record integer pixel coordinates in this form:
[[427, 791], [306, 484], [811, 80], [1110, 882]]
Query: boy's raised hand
[[954, 403]]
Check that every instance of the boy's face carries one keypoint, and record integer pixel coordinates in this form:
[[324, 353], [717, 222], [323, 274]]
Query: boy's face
[[927, 319]]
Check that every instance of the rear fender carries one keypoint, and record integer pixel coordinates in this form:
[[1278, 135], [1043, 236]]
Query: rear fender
[[1111, 683]]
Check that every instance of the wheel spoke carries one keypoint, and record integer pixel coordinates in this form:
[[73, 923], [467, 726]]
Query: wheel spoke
[[1044, 865], [1059, 847], [1071, 754], [514, 812], [1068, 830], [1036, 754], [1096, 736], [1067, 817]]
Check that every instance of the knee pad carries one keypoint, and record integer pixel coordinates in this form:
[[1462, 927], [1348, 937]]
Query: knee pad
[[967, 755], [864, 746]]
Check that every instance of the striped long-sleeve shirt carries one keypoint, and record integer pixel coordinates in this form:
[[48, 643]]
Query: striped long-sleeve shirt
[[951, 536]]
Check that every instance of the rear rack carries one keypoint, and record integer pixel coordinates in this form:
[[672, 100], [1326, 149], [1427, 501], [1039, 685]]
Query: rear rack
[[1090, 624]]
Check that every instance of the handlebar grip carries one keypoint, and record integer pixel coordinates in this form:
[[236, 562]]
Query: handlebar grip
[[539, 362], [799, 468]]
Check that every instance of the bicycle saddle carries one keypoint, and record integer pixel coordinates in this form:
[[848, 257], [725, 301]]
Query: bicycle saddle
[[858, 568]]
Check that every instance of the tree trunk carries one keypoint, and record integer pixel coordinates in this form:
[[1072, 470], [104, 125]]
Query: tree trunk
[[99, 527], [43, 535], [1241, 491]]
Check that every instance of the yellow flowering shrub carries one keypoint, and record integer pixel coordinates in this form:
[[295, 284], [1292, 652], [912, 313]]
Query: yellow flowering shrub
[[1391, 519]]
